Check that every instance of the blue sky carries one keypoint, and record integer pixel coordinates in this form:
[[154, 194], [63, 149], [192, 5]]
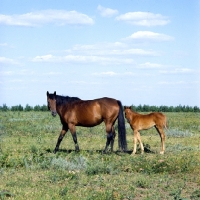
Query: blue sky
[[137, 51]]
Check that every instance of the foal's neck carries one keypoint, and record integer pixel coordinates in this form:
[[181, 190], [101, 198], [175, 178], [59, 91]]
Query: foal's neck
[[134, 113]]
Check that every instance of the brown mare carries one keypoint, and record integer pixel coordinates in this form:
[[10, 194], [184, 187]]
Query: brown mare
[[140, 122], [76, 112]]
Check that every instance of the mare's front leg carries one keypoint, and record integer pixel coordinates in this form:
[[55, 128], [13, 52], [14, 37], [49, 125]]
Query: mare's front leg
[[72, 129], [62, 134]]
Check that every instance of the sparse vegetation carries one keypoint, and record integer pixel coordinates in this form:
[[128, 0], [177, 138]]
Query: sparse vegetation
[[29, 169]]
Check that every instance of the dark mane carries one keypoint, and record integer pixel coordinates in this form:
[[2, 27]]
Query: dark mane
[[60, 100]]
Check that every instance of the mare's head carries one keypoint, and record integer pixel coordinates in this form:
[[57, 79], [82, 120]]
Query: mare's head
[[127, 111], [51, 101]]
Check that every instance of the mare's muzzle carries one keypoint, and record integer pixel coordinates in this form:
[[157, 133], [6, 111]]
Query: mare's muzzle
[[54, 113]]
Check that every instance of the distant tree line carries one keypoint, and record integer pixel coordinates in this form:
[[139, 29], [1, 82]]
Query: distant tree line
[[140, 108], [27, 108], [180, 108]]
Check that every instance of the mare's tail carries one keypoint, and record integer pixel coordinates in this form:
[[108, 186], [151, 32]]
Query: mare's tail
[[121, 129]]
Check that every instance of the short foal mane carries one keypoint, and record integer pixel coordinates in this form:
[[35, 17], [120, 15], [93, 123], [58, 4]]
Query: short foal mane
[[61, 100]]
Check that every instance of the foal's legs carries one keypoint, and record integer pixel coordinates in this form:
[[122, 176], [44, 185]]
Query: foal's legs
[[140, 141], [136, 136], [62, 134], [162, 136]]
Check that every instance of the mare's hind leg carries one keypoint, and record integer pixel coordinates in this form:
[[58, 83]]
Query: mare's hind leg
[[73, 132], [62, 134], [162, 137], [110, 137], [113, 138]]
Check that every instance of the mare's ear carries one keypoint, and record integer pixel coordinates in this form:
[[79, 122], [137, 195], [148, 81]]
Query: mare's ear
[[124, 107], [47, 93], [129, 107], [55, 93]]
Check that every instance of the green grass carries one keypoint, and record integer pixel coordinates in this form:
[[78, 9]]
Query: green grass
[[29, 169]]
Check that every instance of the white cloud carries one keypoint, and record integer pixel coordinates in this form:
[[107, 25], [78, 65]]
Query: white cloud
[[98, 47], [149, 35], [3, 44], [4, 60], [110, 73], [6, 73], [172, 82], [17, 71], [110, 49], [82, 59], [103, 53], [129, 74], [106, 12], [44, 58], [177, 71], [149, 65], [86, 54], [140, 52], [143, 19], [57, 17], [53, 73]]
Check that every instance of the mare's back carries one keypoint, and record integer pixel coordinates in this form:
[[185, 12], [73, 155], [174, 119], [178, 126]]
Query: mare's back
[[92, 112], [108, 106], [103, 106]]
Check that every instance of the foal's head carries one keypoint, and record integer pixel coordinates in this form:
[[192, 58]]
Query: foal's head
[[51, 101], [127, 110]]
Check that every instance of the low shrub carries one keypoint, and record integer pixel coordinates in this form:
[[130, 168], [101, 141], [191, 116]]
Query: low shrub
[[178, 133], [78, 163]]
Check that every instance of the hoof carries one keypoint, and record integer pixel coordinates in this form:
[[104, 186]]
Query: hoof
[[162, 152], [55, 151], [104, 151], [77, 148]]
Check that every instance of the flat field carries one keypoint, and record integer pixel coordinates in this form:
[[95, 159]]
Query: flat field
[[29, 169]]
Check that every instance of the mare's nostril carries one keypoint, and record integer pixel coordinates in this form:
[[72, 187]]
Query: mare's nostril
[[54, 113]]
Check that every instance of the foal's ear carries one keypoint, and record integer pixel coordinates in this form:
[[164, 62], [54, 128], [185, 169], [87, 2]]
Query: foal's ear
[[47, 93], [127, 107]]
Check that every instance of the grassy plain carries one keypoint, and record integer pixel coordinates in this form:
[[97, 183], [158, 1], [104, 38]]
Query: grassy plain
[[29, 169]]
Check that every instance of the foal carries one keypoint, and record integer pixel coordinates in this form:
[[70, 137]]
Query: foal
[[140, 122]]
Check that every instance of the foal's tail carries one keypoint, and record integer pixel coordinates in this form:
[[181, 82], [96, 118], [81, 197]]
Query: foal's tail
[[165, 123], [121, 129]]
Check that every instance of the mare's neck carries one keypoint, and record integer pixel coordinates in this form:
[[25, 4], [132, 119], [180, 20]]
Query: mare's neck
[[60, 102], [59, 109]]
